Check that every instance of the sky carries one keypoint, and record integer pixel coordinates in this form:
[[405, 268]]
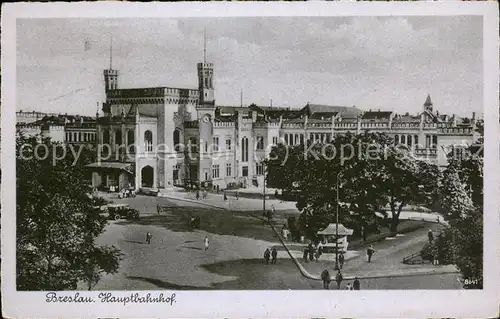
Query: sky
[[387, 63]]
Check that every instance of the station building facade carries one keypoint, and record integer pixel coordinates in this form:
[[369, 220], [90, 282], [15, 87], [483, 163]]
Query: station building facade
[[160, 137]]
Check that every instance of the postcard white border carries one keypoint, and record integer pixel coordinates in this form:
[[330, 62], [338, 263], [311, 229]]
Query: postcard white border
[[292, 304]]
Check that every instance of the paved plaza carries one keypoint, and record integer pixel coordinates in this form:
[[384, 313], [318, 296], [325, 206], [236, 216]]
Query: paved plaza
[[176, 258]]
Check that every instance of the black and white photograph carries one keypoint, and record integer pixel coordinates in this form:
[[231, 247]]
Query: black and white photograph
[[158, 156]]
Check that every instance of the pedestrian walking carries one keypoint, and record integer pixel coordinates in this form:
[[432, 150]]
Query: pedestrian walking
[[274, 254], [369, 253], [276, 193], [267, 255], [341, 260], [225, 196], [338, 279], [434, 256], [273, 209], [197, 194], [205, 194], [325, 277], [306, 253], [158, 209], [355, 284], [237, 196], [148, 237], [206, 243], [430, 235], [269, 216], [217, 189], [311, 253]]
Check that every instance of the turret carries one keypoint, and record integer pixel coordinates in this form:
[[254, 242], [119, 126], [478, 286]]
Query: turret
[[110, 75], [428, 104]]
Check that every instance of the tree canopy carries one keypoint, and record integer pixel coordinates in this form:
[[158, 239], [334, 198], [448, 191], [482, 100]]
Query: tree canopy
[[57, 223], [372, 173]]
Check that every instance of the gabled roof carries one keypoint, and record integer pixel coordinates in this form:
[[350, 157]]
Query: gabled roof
[[377, 115], [345, 111]]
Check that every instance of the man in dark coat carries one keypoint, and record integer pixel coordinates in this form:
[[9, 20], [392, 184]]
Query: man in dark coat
[[274, 254], [148, 237], [430, 235], [325, 277], [197, 194], [225, 196], [338, 279], [341, 260], [267, 255], [369, 253], [355, 284], [306, 253]]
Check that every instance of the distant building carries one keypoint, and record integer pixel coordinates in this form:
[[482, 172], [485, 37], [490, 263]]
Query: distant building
[[155, 138], [71, 129], [23, 117]]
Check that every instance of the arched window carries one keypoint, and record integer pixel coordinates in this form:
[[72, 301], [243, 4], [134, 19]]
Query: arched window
[[177, 140], [131, 141], [415, 140], [286, 138], [260, 142], [244, 149], [396, 139], [105, 137], [118, 137], [403, 139], [148, 141]]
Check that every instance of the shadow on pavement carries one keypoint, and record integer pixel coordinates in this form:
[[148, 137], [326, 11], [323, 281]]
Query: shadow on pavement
[[135, 242], [177, 219], [254, 274], [195, 248], [166, 285]]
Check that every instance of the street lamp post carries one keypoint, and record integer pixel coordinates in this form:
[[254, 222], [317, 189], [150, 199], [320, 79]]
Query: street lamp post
[[264, 194], [337, 226]]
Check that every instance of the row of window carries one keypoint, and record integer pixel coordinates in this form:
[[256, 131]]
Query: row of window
[[80, 136], [259, 170], [298, 139], [410, 140]]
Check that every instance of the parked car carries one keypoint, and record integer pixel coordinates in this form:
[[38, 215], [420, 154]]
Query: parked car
[[117, 211]]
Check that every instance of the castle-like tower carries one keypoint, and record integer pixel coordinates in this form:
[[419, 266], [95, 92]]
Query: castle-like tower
[[206, 114], [110, 75]]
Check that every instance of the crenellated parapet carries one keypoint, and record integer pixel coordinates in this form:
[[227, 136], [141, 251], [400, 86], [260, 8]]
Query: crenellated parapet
[[223, 124]]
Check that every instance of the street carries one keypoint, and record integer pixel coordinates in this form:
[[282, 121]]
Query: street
[[176, 258]]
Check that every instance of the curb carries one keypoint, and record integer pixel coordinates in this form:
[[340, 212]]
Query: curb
[[308, 275], [193, 201]]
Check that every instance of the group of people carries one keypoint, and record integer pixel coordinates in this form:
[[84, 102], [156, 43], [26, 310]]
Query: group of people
[[312, 252], [325, 277], [204, 194], [268, 254]]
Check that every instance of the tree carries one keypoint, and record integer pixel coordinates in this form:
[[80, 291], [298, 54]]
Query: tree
[[461, 203], [56, 222]]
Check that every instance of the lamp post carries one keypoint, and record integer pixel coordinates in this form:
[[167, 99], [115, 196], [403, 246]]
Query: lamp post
[[337, 226], [264, 194]]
